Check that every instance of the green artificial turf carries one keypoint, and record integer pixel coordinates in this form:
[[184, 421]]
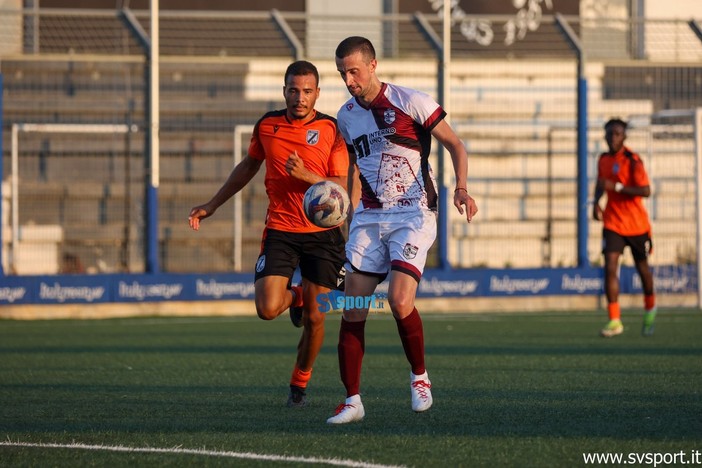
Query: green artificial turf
[[509, 390]]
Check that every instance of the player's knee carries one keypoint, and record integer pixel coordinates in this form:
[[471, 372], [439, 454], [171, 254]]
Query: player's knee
[[266, 310], [401, 305], [314, 319], [265, 314]]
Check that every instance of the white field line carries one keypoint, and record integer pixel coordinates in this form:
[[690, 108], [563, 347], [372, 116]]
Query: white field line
[[202, 452]]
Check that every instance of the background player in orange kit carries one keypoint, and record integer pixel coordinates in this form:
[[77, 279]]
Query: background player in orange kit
[[621, 174], [300, 146]]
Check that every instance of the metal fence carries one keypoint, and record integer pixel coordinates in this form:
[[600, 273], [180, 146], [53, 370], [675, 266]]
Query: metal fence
[[80, 195]]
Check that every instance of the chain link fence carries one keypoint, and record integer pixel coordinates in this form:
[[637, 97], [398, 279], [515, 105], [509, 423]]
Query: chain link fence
[[80, 195]]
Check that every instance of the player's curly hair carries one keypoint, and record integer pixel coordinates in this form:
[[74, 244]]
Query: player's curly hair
[[301, 68], [354, 44], [615, 121]]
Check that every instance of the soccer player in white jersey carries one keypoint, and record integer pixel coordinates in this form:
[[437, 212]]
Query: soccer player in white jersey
[[388, 129]]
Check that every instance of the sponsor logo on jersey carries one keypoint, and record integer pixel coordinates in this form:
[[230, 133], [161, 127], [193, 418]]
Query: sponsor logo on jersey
[[389, 116], [312, 137], [275, 128]]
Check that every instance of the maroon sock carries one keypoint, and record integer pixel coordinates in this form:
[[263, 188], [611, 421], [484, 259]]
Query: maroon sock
[[351, 348], [412, 336]]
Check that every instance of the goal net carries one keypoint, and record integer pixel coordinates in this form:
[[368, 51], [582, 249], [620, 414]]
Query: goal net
[[670, 142], [70, 199]]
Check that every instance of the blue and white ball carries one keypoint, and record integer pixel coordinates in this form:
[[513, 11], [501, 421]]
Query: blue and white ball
[[326, 204]]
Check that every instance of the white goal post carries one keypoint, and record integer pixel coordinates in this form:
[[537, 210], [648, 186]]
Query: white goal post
[[239, 131], [695, 116], [698, 177], [44, 128]]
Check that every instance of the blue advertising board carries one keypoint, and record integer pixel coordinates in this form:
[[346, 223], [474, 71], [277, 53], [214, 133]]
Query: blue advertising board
[[129, 288]]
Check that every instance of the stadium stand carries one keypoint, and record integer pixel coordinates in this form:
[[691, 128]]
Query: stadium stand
[[515, 108]]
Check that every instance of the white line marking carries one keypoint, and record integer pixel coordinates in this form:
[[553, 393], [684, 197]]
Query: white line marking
[[208, 453]]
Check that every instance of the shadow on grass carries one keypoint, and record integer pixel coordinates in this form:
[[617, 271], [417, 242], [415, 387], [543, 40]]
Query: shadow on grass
[[250, 409]]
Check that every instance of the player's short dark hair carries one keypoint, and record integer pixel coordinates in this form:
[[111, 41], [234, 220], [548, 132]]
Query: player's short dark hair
[[301, 68], [354, 44], [615, 121]]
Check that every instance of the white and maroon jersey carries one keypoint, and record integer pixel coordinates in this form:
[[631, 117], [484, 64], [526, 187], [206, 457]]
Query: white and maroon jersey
[[392, 140]]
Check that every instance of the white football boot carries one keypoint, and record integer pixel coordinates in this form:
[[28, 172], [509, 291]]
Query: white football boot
[[420, 387], [349, 411]]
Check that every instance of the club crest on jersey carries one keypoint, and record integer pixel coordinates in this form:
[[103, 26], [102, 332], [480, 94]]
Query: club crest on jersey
[[389, 116], [349, 106], [312, 137], [410, 251], [615, 168]]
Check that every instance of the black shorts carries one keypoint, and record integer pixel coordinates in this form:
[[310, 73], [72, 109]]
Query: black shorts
[[641, 246], [320, 256]]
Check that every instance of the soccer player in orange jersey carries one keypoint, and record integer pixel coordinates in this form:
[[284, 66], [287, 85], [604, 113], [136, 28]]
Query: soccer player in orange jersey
[[300, 147], [621, 174]]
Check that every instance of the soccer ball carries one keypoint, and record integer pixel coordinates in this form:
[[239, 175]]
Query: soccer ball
[[326, 204]]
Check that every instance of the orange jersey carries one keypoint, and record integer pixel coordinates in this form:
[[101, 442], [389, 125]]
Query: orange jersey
[[321, 147], [624, 214]]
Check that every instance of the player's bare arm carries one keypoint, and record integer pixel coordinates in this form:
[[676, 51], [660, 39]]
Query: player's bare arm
[[295, 166], [353, 179], [354, 187], [596, 208], [632, 190], [597, 212], [239, 177], [459, 158]]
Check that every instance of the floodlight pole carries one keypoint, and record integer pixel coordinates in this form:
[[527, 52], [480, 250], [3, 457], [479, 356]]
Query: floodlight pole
[[582, 181], [152, 156], [697, 129], [2, 195], [150, 45], [14, 188], [445, 99], [442, 47]]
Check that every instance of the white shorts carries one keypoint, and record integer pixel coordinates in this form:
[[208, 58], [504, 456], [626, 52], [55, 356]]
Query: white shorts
[[380, 241]]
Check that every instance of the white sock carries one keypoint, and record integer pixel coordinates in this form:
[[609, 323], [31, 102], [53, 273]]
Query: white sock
[[353, 399]]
